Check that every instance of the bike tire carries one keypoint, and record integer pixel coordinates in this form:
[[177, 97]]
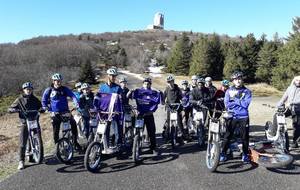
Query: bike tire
[[200, 135], [37, 156], [136, 149], [64, 158], [212, 163], [94, 146], [276, 161]]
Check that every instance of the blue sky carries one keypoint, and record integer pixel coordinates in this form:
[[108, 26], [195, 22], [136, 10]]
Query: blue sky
[[25, 19]]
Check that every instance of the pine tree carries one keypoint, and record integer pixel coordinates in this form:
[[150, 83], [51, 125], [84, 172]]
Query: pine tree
[[233, 59], [216, 57], [288, 63], [295, 28], [200, 63], [267, 59], [86, 73], [250, 49], [178, 62]]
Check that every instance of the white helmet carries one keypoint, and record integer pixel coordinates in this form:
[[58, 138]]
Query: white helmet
[[184, 82], [112, 71], [56, 76], [194, 77], [208, 79], [170, 78], [27, 85], [85, 85], [78, 85], [122, 79]]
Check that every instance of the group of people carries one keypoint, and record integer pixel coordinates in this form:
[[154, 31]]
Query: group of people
[[235, 98]]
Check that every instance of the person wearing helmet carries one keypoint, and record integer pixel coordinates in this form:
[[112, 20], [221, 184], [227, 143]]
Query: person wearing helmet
[[55, 100], [208, 84], [125, 90], [237, 100], [291, 97], [194, 81], [85, 104], [77, 90], [187, 108], [219, 96], [26, 101], [147, 100], [111, 86], [172, 94], [200, 96]]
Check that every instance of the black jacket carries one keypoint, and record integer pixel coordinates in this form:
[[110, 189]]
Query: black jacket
[[173, 95], [201, 95], [24, 102]]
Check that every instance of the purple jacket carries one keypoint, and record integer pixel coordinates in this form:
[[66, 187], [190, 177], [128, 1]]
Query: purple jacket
[[147, 100], [102, 102], [238, 103]]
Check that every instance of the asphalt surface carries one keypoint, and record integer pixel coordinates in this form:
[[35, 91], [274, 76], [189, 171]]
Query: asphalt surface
[[182, 168]]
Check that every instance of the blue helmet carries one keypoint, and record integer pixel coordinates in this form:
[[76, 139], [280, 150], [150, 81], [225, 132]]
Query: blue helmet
[[225, 83], [27, 85], [237, 74]]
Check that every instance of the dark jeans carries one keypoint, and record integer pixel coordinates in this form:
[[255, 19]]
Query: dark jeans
[[120, 132], [56, 121], [296, 127], [186, 114], [232, 126], [86, 125], [151, 130], [23, 140]]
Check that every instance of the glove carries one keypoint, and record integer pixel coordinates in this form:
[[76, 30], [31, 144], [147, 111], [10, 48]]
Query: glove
[[232, 94], [199, 103], [12, 110]]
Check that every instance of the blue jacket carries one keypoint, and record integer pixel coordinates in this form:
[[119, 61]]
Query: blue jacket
[[56, 99], [113, 88], [239, 103]]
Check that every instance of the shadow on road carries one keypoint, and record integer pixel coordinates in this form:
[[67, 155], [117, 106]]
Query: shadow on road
[[234, 166]]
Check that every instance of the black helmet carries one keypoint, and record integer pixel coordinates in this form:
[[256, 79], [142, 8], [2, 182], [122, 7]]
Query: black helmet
[[237, 74]]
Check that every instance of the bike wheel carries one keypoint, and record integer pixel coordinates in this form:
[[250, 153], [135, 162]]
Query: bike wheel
[[64, 150], [275, 161], [213, 155], [173, 137], [136, 149], [92, 157], [37, 149], [200, 135]]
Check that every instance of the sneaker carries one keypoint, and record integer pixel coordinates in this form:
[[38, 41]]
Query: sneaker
[[78, 148], [245, 159], [223, 157], [155, 152], [21, 165], [108, 151]]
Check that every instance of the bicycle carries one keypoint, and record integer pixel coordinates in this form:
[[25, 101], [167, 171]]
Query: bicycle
[[173, 130], [138, 137], [277, 132], [65, 145], [198, 124], [34, 147], [93, 154], [128, 125]]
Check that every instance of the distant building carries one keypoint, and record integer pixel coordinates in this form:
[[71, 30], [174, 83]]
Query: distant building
[[158, 22]]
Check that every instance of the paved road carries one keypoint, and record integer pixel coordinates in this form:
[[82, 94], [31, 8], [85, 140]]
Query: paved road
[[183, 168]]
